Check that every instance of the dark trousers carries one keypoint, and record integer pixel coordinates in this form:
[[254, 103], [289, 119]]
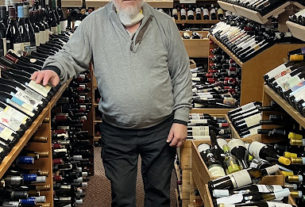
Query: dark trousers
[[120, 151]]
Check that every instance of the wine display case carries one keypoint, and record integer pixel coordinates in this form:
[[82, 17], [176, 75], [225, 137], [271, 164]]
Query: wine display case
[[41, 127]]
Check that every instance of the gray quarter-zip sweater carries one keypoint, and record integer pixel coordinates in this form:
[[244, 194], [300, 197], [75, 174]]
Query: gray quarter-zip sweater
[[142, 79]]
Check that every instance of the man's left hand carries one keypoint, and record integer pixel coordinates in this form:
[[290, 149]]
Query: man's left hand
[[177, 135]]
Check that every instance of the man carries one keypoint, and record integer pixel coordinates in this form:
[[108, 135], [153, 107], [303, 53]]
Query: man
[[143, 76]]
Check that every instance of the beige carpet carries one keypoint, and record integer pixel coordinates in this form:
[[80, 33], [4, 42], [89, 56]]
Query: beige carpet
[[98, 193]]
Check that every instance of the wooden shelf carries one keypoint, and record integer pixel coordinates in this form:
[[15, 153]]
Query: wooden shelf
[[211, 111], [254, 15], [71, 3], [153, 3], [196, 21], [288, 108], [298, 31], [255, 68], [10, 158], [197, 48]]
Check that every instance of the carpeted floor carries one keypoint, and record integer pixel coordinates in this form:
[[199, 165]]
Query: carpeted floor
[[98, 193]]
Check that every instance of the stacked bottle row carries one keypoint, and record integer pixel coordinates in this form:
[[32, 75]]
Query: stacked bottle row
[[200, 125], [24, 184], [248, 161], [261, 6], [72, 145], [245, 38], [298, 17], [191, 35], [197, 12], [21, 99], [287, 80]]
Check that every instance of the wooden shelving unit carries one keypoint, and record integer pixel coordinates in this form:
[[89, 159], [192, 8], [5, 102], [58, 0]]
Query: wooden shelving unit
[[254, 69], [41, 127], [154, 3], [196, 21], [71, 3]]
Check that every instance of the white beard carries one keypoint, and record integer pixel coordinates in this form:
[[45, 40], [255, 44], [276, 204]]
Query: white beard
[[130, 15]]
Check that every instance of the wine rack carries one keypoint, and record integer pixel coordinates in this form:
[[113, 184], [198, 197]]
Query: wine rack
[[297, 30], [71, 3], [197, 48], [154, 3], [254, 69], [40, 127]]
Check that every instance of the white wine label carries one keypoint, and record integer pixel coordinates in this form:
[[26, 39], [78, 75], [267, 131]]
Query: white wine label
[[278, 204], [207, 137], [221, 142], [200, 131], [269, 188], [42, 37], [18, 47], [32, 93], [60, 150], [292, 82], [272, 170], [216, 171], [253, 120], [195, 79], [59, 29], [198, 11], [41, 179], [220, 193], [63, 25], [182, 12], [47, 33], [235, 143], [6, 133], [54, 30], [255, 148], [203, 147], [254, 130], [205, 12], [282, 193], [174, 12], [4, 46], [195, 116], [236, 198], [275, 73], [37, 39], [198, 121], [241, 178], [12, 118], [40, 199], [43, 90], [190, 13]]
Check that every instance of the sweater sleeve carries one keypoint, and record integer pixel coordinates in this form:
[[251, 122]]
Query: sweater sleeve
[[74, 57], [178, 64]]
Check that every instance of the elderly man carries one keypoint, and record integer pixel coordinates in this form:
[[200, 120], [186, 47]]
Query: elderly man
[[142, 71]]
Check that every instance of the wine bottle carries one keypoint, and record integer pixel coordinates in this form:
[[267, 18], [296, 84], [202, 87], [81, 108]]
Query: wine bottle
[[13, 38], [241, 178], [230, 161], [239, 150], [3, 20]]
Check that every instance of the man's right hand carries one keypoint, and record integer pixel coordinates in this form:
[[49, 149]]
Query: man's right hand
[[46, 76]]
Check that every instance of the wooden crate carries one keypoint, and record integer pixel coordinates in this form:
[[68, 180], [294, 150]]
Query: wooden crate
[[267, 180], [197, 48]]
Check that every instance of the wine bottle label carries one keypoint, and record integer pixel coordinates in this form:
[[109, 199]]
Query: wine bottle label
[[255, 148], [29, 177], [272, 170], [236, 198], [53, 30], [240, 178], [276, 72], [64, 24], [22, 98], [6, 133], [32, 95], [198, 11], [43, 90], [282, 194], [25, 160], [254, 130], [42, 37], [253, 120], [12, 118], [299, 94], [205, 12], [221, 142], [220, 11], [4, 46], [190, 13], [19, 105], [59, 28], [18, 47], [26, 98], [47, 33], [277, 204], [27, 46], [242, 108], [203, 147], [235, 143], [269, 188], [200, 131], [220, 193], [182, 12], [206, 137], [40, 179], [216, 171], [28, 202], [297, 87], [60, 151], [37, 39], [40, 199]]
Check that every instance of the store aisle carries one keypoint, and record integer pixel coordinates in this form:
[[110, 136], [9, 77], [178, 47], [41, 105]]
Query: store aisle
[[98, 191]]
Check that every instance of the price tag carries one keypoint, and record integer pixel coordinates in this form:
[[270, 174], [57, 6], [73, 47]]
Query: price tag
[[187, 1]]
